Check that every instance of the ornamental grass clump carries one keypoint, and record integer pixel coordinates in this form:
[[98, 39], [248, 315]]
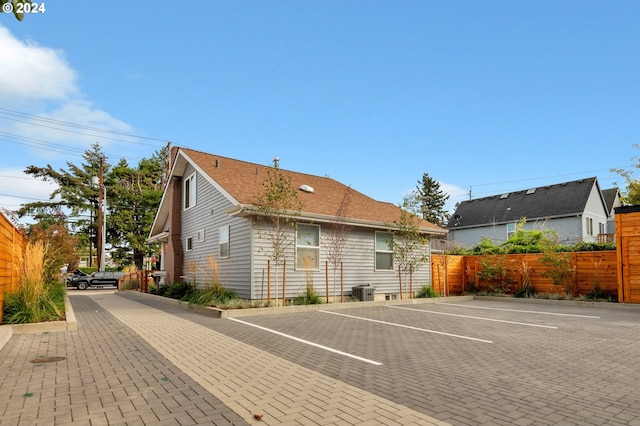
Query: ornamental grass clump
[[36, 299]]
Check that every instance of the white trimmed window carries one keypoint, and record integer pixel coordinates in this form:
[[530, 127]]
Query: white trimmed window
[[384, 251], [200, 236], [511, 230], [188, 244], [589, 226], [308, 247], [224, 241], [189, 191]]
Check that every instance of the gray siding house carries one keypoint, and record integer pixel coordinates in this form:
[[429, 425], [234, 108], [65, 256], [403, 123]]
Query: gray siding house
[[576, 210], [207, 227]]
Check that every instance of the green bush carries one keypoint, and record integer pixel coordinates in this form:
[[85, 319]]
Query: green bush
[[426, 292], [308, 297], [49, 306], [178, 290], [211, 296]]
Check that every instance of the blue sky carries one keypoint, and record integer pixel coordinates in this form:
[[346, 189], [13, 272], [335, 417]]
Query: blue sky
[[492, 96]]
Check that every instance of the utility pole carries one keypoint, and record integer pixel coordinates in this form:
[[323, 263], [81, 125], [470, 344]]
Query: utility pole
[[102, 216]]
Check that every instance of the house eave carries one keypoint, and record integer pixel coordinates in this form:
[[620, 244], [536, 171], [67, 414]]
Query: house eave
[[244, 210]]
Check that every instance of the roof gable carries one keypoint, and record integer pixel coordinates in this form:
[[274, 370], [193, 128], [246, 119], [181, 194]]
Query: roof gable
[[564, 199], [241, 183]]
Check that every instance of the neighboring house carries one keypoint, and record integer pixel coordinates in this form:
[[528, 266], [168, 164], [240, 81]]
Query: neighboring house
[[612, 200], [207, 222], [576, 210]]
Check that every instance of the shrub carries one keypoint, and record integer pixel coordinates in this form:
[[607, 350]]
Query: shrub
[[213, 295], [178, 290], [308, 297], [36, 299], [426, 292], [493, 271], [561, 270]]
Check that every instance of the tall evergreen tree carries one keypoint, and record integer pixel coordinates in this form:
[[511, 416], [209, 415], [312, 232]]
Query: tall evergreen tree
[[134, 196], [432, 200]]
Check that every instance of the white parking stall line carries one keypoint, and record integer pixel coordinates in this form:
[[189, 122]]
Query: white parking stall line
[[518, 310], [409, 327], [477, 318], [306, 342]]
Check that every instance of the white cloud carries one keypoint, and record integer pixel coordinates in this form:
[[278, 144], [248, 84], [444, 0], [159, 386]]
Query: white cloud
[[17, 188], [33, 72], [40, 96]]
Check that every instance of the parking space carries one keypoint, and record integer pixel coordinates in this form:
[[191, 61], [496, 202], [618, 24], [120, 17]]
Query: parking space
[[471, 362]]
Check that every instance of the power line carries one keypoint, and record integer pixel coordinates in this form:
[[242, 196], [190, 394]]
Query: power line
[[73, 125]]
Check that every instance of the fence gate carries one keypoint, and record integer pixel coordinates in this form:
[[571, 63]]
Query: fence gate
[[628, 248]]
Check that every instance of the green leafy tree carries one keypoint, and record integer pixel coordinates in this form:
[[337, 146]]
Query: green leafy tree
[[279, 206], [74, 201], [134, 194], [631, 195], [432, 199]]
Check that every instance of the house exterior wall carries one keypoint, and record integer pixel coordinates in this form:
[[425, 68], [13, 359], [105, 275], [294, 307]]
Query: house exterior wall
[[358, 267], [205, 219], [569, 231], [245, 270], [596, 211]]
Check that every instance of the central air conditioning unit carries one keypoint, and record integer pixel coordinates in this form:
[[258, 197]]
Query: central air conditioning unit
[[363, 293]]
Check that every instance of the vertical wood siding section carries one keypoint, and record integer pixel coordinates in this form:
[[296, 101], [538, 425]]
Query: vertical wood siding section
[[11, 248], [628, 244]]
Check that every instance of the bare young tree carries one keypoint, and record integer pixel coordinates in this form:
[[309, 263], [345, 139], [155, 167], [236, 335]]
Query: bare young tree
[[410, 244], [278, 206], [338, 234]]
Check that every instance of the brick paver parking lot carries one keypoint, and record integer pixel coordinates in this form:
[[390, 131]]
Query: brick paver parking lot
[[463, 362]]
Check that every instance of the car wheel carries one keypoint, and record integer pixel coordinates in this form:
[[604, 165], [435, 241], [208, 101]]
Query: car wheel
[[82, 285]]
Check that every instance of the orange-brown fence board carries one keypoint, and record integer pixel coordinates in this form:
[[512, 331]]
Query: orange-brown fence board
[[460, 273], [11, 247], [628, 244], [447, 274]]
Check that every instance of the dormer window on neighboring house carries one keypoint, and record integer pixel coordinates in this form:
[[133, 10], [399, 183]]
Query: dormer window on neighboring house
[[189, 192]]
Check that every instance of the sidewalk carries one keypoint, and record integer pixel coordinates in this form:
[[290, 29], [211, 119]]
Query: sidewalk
[[134, 364]]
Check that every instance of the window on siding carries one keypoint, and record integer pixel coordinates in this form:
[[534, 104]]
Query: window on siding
[[200, 236], [189, 191], [589, 226], [511, 230], [602, 230], [188, 244], [224, 241], [384, 251], [308, 247]]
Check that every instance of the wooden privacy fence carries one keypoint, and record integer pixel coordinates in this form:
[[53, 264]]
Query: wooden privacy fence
[[138, 280], [453, 275], [11, 248]]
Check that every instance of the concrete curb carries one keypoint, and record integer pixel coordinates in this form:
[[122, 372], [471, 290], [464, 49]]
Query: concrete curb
[[70, 324], [239, 313], [582, 303]]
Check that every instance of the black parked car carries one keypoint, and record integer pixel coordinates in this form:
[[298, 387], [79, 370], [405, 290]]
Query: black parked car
[[96, 279], [74, 276]]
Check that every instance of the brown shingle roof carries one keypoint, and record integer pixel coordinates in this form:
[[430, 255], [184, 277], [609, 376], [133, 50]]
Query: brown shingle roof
[[242, 180]]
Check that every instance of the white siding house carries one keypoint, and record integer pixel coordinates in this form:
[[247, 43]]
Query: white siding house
[[208, 227], [575, 210]]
